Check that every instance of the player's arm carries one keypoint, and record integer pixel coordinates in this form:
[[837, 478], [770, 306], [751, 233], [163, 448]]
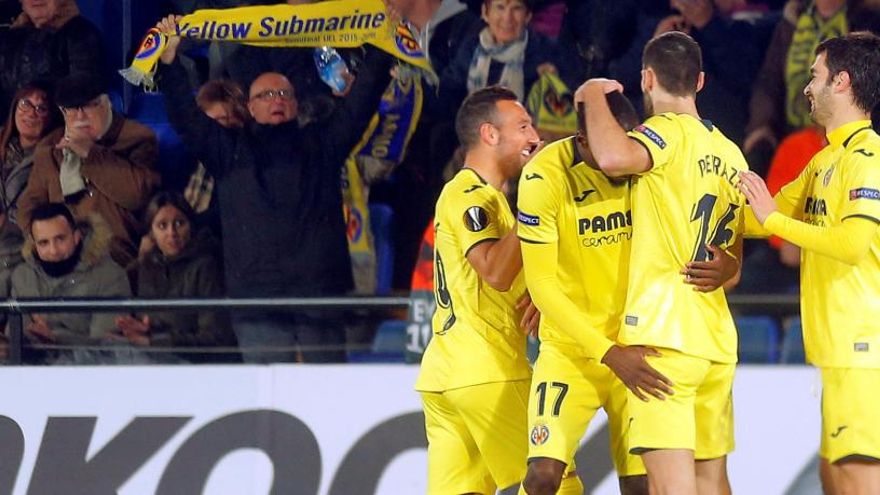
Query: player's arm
[[497, 262], [722, 270], [615, 153], [848, 242], [539, 262], [786, 201]]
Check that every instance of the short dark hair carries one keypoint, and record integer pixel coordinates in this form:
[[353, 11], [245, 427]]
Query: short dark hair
[[478, 108], [677, 61], [857, 54], [620, 106], [48, 211], [167, 198]]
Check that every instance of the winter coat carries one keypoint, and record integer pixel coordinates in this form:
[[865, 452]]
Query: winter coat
[[14, 183], [120, 179], [96, 275], [278, 187], [194, 273], [11, 241]]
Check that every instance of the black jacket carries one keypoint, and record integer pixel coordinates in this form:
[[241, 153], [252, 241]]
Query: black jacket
[[279, 188]]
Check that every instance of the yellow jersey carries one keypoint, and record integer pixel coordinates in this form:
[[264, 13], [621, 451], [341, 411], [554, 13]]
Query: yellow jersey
[[564, 201], [686, 200], [840, 303], [476, 338]]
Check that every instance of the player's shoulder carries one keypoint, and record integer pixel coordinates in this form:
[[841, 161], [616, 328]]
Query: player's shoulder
[[551, 161], [731, 152], [466, 183], [661, 129], [865, 147]]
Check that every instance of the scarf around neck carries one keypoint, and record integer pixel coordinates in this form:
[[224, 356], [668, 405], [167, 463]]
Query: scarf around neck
[[512, 55]]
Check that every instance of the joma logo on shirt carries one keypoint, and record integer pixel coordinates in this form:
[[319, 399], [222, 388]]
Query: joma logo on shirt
[[601, 223], [815, 206]]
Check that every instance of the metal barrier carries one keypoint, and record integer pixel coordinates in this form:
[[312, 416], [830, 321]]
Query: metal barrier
[[769, 304], [16, 309]]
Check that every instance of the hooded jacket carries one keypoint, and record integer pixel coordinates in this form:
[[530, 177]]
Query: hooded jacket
[[96, 275], [193, 273]]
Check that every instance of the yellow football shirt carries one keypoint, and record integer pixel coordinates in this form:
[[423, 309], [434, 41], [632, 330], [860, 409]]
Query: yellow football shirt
[[476, 338], [563, 201], [840, 303], [686, 200]]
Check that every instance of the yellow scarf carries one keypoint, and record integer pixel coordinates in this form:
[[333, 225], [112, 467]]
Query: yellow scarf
[[341, 23]]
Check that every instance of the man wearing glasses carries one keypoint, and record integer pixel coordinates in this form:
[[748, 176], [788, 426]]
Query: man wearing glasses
[[278, 187], [99, 162]]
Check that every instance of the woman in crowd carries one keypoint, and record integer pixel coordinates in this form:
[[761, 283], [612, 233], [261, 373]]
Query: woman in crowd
[[181, 264], [32, 115]]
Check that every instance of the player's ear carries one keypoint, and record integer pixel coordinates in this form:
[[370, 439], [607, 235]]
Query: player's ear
[[488, 133], [701, 80], [841, 81], [647, 79]]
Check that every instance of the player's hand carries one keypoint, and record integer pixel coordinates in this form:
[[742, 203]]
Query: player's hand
[[707, 276], [531, 316], [168, 26], [755, 190], [597, 87], [629, 364]]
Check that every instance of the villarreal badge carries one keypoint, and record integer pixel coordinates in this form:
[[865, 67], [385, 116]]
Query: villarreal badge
[[539, 435]]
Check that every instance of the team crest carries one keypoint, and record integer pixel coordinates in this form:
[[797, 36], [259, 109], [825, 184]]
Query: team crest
[[354, 223], [557, 104], [540, 434], [476, 219], [151, 43], [406, 42], [827, 179]]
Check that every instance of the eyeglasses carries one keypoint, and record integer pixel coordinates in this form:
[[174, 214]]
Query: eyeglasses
[[90, 106], [270, 94], [26, 106]]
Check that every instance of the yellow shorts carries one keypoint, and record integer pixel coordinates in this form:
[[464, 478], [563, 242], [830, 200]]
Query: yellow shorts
[[850, 403], [566, 393], [476, 437], [698, 416]]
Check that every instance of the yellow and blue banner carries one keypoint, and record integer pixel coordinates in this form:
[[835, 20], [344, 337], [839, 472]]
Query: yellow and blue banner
[[340, 23]]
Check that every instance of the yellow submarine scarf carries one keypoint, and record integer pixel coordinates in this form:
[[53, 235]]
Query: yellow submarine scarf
[[340, 23]]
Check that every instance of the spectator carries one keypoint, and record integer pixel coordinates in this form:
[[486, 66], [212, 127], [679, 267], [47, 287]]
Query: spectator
[[778, 105], [10, 256], [32, 115], [49, 40], [100, 162], [223, 101], [182, 264], [66, 259], [278, 187], [730, 68], [504, 52], [440, 26]]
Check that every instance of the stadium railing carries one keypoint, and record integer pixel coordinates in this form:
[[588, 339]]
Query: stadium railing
[[777, 306]]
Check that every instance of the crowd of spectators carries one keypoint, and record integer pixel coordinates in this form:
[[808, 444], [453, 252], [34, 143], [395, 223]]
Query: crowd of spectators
[[87, 210]]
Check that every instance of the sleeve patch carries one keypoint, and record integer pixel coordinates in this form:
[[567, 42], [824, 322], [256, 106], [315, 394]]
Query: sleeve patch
[[476, 219], [530, 220], [651, 134], [864, 192]]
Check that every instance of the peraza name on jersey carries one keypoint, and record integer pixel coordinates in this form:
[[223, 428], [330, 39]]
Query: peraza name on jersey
[[711, 164]]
